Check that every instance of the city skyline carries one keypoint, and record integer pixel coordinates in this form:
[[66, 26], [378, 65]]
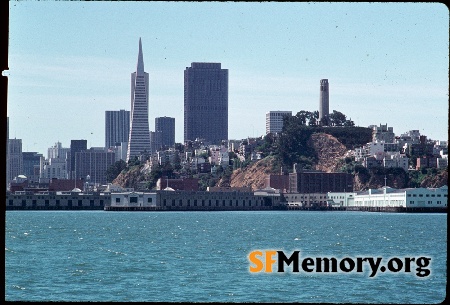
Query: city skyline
[[387, 63]]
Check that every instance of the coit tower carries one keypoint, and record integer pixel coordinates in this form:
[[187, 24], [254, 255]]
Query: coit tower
[[324, 102]]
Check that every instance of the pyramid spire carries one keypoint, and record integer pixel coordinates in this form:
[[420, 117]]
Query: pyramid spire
[[140, 62]]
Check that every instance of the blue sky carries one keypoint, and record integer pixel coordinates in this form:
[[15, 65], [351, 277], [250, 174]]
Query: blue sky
[[70, 61]]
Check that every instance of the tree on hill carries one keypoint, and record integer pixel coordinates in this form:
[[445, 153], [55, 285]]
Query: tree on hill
[[339, 119], [292, 145], [115, 169]]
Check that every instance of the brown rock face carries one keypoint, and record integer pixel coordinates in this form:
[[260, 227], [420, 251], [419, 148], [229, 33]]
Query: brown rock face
[[329, 151], [435, 181], [254, 175]]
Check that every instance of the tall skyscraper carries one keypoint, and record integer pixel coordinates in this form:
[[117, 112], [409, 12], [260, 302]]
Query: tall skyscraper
[[274, 120], [324, 103], [117, 127], [15, 158], [31, 165], [206, 102], [75, 146], [139, 137], [166, 126]]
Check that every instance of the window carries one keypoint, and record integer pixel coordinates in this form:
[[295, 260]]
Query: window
[[135, 200], [117, 200], [149, 199]]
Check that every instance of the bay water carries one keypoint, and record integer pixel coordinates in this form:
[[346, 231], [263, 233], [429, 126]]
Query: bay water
[[204, 256]]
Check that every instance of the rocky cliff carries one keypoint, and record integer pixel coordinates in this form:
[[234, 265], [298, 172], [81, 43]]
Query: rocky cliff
[[329, 151], [330, 154], [254, 175], [133, 177], [435, 181]]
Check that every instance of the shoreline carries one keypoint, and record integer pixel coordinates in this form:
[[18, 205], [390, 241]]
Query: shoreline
[[211, 209]]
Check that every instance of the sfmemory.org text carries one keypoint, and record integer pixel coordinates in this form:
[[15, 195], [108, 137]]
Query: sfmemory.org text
[[264, 261]]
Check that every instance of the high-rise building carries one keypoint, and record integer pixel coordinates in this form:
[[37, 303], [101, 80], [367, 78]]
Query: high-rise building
[[155, 141], [15, 158], [166, 126], [31, 165], [94, 163], [324, 103], [57, 152], [75, 146], [139, 137], [206, 102], [117, 127], [274, 120]]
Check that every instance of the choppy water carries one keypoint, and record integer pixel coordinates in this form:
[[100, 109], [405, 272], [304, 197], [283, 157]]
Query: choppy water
[[203, 256]]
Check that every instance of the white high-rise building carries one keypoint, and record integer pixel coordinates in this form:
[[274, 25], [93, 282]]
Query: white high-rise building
[[139, 137], [274, 120], [57, 152]]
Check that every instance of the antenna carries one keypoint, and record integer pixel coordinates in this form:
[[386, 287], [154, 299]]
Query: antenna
[[385, 180]]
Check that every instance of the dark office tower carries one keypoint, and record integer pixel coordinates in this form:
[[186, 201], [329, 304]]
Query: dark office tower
[[31, 165], [75, 146], [324, 103], [117, 127], [206, 102], [166, 126], [139, 138]]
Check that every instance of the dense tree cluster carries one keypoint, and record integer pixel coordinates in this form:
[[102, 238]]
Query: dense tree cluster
[[293, 147]]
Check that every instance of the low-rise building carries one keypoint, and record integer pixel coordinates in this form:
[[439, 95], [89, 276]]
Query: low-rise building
[[387, 197]]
